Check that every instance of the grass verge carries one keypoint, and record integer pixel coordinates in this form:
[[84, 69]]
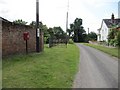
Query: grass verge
[[111, 51], [53, 68]]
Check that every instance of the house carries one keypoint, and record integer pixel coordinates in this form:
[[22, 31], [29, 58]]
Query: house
[[119, 9], [106, 25]]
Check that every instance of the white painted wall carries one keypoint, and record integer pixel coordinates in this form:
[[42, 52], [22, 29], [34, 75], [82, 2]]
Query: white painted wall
[[98, 35], [119, 9], [104, 32]]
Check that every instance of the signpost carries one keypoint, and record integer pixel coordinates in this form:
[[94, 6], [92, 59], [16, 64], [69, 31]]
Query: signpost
[[26, 38]]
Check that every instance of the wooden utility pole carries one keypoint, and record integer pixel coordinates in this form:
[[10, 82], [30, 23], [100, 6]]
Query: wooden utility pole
[[67, 22], [67, 17], [88, 30], [37, 27]]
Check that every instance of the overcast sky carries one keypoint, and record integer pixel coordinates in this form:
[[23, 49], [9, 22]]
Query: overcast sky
[[53, 12]]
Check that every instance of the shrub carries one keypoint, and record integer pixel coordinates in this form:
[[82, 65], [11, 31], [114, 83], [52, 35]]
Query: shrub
[[70, 41], [113, 42], [118, 38]]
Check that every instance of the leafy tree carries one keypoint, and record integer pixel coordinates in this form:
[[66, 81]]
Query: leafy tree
[[43, 28], [70, 30], [78, 29], [92, 36], [33, 23], [55, 32], [51, 32], [58, 32], [118, 38], [113, 36], [20, 21]]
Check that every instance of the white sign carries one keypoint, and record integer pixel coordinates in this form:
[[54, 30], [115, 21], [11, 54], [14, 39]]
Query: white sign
[[38, 32], [37, 0]]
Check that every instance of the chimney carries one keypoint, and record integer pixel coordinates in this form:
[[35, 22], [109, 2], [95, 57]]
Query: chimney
[[112, 18]]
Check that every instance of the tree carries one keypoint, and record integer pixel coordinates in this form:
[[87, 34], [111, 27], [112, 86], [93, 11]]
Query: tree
[[113, 36], [43, 28], [51, 32], [118, 39], [33, 23], [58, 32], [78, 29], [92, 36], [20, 21], [70, 30]]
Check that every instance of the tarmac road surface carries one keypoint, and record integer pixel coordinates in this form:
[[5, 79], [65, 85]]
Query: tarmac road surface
[[96, 69]]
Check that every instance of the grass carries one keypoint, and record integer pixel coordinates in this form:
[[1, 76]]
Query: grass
[[53, 68], [110, 51]]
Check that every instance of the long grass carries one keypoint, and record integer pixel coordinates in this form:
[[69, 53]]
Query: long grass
[[53, 68], [108, 50]]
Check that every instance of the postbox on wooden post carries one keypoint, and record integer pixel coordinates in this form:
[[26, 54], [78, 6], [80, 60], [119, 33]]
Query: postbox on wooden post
[[26, 38]]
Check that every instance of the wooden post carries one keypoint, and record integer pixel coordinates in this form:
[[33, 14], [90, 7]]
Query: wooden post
[[37, 27], [26, 47]]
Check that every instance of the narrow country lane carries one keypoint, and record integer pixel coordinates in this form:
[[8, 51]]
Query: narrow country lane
[[96, 69]]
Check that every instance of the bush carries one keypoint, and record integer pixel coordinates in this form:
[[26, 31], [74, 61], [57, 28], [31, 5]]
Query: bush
[[118, 38], [70, 41], [113, 42]]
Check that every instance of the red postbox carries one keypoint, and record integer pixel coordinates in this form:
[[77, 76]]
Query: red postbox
[[26, 35], [26, 38]]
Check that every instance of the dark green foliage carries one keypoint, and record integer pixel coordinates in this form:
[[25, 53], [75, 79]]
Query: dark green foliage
[[58, 32], [78, 29], [114, 37], [20, 21], [33, 23], [92, 36], [43, 28], [112, 34], [57, 36], [118, 38], [70, 31]]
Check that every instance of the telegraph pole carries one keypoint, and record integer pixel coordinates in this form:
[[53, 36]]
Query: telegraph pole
[[88, 30], [67, 17], [67, 22], [37, 27]]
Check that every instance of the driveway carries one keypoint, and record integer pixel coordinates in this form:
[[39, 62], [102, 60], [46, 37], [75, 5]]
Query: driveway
[[96, 69]]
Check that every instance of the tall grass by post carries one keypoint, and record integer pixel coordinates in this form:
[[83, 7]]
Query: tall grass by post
[[111, 51], [53, 68]]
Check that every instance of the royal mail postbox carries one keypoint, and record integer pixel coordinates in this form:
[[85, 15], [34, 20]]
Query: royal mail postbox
[[26, 36]]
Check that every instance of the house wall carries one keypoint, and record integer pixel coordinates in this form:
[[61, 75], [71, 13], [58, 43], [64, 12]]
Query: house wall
[[119, 9], [12, 38], [0, 54], [104, 32], [98, 35]]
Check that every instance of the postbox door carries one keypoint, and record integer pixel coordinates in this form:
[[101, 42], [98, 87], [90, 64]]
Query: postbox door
[[26, 36]]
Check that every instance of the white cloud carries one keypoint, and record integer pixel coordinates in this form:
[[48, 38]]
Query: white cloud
[[53, 12], [2, 2]]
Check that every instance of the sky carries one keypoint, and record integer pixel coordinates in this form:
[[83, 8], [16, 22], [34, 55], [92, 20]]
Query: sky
[[53, 12]]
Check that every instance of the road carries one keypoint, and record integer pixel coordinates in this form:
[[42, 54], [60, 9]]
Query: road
[[96, 69]]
